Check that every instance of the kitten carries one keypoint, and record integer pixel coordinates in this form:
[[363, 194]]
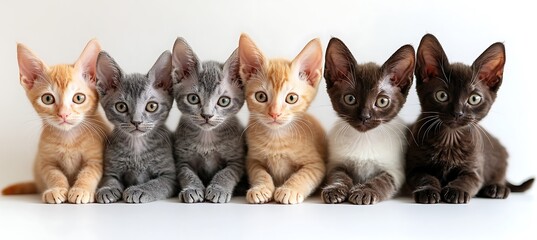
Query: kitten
[[68, 164], [367, 146], [454, 158], [286, 146], [209, 148], [138, 160]]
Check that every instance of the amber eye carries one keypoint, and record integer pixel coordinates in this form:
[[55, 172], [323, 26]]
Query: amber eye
[[47, 98], [291, 98], [441, 96], [382, 102], [151, 106], [79, 98], [349, 99], [474, 99], [224, 101], [121, 107], [261, 97], [193, 98]]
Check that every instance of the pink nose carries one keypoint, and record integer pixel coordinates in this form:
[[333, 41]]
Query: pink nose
[[274, 115], [63, 115]]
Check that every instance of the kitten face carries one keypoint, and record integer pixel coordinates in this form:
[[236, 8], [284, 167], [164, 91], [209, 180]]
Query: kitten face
[[62, 95], [135, 103], [277, 91], [457, 94], [207, 93], [367, 95]]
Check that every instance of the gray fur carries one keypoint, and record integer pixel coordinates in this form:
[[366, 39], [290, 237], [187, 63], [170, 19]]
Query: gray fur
[[210, 154], [138, 165]]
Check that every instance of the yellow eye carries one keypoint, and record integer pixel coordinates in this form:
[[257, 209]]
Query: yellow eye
[[47, 98], [291, 98], [349, 99], [193, 98], [224, 101], [121, 107], [382, 102], [151, 106], [474, 99], [261, 97], [79, 98], [441, 96]]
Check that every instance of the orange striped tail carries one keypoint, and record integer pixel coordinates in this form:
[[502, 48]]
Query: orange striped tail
[[20, 188]]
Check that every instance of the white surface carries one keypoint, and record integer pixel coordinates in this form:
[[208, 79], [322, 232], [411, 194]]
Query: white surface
[[136, 32]]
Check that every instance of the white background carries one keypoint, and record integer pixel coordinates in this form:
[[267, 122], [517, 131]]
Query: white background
[[136, 32]]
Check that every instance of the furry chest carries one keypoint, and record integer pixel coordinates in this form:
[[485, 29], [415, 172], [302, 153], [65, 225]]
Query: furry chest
[[280, 167]]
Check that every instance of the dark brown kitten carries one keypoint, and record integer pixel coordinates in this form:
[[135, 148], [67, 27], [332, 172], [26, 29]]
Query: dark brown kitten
[[453, 157]]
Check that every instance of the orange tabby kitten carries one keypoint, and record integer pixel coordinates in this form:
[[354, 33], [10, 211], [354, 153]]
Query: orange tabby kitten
[[68, 165], [286, 146]]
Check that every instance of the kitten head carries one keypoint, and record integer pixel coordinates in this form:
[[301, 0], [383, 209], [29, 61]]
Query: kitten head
[[135, 103], [207, 93], [63, 95], [457, 94], [277, 90], [366, 95]]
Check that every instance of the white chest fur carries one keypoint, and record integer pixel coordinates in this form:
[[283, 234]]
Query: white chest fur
[[379, 149]]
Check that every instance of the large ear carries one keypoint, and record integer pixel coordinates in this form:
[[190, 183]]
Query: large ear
[[339, 63], [232, 68], [251, 58], [87, 62], [31, 68], [184, 60], [108, 73], [309, 62], [399, 68], [161, 72], [488, 67], [431, 59]]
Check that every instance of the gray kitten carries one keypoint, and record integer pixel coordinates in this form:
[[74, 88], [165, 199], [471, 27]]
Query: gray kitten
[[209, 149], [138, 160]]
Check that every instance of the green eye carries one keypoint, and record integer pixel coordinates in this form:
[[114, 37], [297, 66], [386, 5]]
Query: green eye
[[121, 107], [441, 96], [382, 102], [193, 98], [47, 99], [151, 106], [79, 98], [349, 99], [474, 99], [224, 101], [261, 97], [291, 98]]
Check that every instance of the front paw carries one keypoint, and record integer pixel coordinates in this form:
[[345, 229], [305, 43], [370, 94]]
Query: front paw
[[80, 195], [495, 191], [455, 195], [427, 196], [334, 194], [288, 196], [55, 195], [259, 194], [135, 194], [191, 195], [361, 195], [217, 194], [108, 195]]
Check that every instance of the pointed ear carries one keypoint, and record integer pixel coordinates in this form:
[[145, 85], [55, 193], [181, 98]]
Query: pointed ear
[[339, 62], [251, 58], [87, 62], [232, 67], [184, 60], [31, 68], [431, 59], [108, 73], [161, 72], [488, 67], [309, 62], [399, 68]]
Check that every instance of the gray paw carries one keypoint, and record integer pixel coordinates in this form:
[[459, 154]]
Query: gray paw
[[455, 195], [363, 196], [107, 195], [191, 195], [334, 194], [135, 194], [217, 194]]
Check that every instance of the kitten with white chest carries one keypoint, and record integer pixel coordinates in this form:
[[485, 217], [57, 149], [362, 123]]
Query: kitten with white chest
[[367, 146], [209, 148]]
